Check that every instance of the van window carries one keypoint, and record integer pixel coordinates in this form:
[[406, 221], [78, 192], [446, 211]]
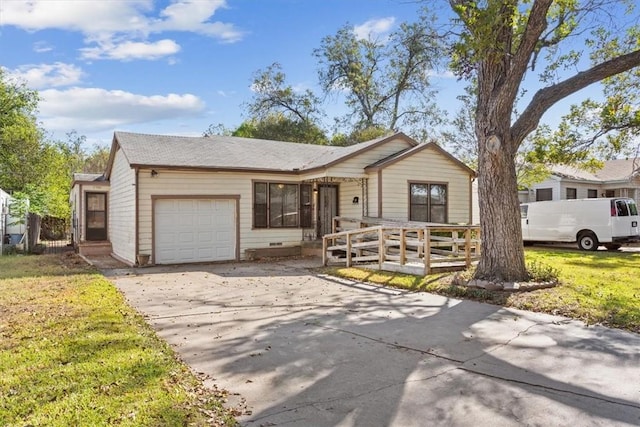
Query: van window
[[633, 208], [621, 208], [524, 209]]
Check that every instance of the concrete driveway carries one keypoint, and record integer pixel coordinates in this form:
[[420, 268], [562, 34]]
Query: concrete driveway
[[306, 350]]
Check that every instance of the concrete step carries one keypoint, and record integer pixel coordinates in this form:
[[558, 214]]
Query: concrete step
[[94, 248]]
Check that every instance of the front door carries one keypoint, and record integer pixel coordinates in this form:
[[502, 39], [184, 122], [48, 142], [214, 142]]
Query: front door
[[96, 216], [327, 207]]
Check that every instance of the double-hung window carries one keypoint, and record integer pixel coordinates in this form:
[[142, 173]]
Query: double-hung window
[[428, 202], [281, 205]]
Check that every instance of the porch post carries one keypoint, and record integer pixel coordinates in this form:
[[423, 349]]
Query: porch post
[[380, 247], [364, 184], [427, 251], [467, 247]]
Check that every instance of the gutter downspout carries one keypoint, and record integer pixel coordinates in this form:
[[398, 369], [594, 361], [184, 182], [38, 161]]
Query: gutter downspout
[[137, 234]]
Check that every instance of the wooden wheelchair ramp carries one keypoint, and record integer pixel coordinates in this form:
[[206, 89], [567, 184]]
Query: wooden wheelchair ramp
[[412, 249]]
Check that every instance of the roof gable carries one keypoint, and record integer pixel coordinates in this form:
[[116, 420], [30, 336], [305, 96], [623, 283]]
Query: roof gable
[[383, 163]]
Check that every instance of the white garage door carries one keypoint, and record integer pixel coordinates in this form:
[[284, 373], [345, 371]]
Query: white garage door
[[194, 230]]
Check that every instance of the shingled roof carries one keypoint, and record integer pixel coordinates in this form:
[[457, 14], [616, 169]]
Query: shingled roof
[[88, 177], [234, 153], [612, 170]]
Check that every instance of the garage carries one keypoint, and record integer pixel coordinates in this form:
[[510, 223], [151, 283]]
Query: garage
[[194, 230]]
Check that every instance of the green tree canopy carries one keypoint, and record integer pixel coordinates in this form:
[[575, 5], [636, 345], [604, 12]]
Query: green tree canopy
[[280, 128], [20, 138]]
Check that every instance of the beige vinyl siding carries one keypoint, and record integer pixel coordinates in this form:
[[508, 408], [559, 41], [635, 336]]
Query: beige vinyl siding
[[122, 209], [354, 167], [431, 166], [185, 183], [346, 192], [372, 194]]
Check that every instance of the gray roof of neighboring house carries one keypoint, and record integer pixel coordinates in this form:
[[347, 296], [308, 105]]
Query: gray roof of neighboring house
[[612, 170], [228, 152]]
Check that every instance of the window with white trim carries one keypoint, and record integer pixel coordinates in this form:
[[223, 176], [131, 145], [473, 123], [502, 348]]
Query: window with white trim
[[428, 202]]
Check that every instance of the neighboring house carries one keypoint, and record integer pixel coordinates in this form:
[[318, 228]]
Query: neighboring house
[[200, 199], [617, 178], [12, 228]]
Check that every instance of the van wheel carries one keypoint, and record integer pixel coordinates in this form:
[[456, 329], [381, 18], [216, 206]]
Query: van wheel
[[612, 247], [588, 241]]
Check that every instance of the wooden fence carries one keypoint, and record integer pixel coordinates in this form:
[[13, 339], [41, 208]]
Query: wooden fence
[[407, 247]]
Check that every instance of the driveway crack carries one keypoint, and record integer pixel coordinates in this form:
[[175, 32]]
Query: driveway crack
[[390, 344], [354, 396], [504, 344], [460, 366], [550, 388]]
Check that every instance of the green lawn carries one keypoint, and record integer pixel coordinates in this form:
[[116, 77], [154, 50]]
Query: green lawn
[[596, 287], [73, 353]]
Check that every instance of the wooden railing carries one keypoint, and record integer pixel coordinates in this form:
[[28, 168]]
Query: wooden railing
[[430, 246]]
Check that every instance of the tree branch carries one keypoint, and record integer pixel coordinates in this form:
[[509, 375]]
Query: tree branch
[[546, 97], [536, 24]]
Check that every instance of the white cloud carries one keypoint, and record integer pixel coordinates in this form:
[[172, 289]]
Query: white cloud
[[42, 46], [88, 17], [130, 50], [374, 28], [48, 75], [108, 24], [193, 16], [99, 109]]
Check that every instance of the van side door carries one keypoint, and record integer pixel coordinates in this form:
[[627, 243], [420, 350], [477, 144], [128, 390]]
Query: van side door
[[624, 218]]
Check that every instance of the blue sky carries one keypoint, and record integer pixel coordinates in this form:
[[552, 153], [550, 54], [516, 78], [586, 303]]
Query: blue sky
[[172, 66], [175, 66]]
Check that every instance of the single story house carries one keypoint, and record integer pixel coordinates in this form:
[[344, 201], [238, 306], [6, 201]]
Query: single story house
[[616, 178], [177, 199]]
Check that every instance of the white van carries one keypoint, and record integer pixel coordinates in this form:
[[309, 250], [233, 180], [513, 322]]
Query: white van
[[590, 222]]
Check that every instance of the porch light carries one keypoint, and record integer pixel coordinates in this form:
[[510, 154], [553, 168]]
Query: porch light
[[154, 173]]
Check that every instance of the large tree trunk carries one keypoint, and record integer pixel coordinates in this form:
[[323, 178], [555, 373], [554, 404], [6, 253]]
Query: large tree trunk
[[502, 257]]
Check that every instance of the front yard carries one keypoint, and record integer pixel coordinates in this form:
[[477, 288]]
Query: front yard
[[72, 352], [596, 287]]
